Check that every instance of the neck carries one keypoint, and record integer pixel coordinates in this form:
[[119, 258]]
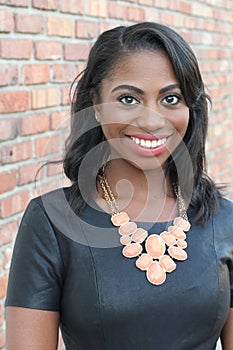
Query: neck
[[126, 181], [144, 195]]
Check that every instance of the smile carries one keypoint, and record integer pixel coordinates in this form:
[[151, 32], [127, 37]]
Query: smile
[[149, 143]]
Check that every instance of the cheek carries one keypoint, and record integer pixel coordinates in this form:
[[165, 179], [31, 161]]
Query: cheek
[[111, 130], [180, 121]]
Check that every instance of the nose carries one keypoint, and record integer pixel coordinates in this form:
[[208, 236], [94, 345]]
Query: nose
[[150, 120]]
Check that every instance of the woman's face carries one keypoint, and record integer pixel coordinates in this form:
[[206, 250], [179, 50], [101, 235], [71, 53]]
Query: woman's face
[[142, 111]]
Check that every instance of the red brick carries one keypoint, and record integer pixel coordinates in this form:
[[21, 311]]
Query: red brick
[[1, 315], [29, 23], [35, 74], [42, 98], [7, 255], [97, 8], [3, 286], [48, 145], [18, 3], [146, 2], [63, 73], [8, 129], [59, 26], [8, 180], [8, 233], [76, 51], [16, 152], [167, 18], [161, 4], [8, 74], [15, 48], [6, 21], [46, 4], [87, 29], [186, 36], [27, 173], [73, 6], [14, 101], [106, 26], [66, 95], [54, 169], [13, 204], [135, 14], [48, 50], [117, 10], [60, 120], [2, 338], [185, 7], [34, 124]]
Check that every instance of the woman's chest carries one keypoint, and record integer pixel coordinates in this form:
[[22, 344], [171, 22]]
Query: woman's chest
[[107, 296]]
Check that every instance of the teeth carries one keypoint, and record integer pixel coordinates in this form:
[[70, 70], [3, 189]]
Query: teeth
[[149, 143]]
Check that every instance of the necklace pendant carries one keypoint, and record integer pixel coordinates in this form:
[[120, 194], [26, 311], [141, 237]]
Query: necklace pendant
[[160, 249], [132, 250], [155, 246], [156, 274], [177, 253], [120, 218]]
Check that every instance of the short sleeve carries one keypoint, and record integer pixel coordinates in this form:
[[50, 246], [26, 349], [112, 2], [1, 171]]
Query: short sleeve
[[35, 279]]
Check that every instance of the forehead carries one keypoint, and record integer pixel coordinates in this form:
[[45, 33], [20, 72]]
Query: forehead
[[143, 65]]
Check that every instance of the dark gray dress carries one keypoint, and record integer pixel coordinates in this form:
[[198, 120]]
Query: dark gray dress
[[74, 265]]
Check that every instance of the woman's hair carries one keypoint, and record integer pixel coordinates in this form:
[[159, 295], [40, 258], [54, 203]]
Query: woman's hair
[[187, 164]]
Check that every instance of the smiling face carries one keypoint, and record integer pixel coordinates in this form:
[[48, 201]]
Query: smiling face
[[142, 111]]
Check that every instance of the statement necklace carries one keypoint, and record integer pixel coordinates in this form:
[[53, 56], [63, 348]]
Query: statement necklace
[[160, 250]]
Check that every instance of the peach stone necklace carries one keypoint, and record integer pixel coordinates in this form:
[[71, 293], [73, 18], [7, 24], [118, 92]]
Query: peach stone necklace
[[160, 249]]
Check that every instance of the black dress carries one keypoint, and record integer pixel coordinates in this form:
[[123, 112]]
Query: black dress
[[74, 265]]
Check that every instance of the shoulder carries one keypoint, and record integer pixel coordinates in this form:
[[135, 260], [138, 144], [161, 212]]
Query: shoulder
[[51, 202], [44, 214], [53, 210], [52, 197]]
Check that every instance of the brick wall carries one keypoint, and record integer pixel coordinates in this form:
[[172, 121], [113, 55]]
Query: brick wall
[[44, 44]]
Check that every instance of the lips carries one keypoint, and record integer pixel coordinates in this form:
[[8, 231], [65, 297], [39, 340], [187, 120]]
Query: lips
[[148, 145]]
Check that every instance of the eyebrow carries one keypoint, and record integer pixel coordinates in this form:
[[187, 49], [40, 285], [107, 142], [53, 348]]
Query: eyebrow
[[136, 89], [128, 87]]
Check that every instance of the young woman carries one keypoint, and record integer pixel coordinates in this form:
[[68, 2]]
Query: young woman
[[138, 252]]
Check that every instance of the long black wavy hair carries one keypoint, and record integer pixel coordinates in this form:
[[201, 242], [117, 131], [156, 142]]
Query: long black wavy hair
[[187, 164]]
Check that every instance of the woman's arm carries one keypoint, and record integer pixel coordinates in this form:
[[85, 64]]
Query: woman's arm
[[227, 332], [28, 329]]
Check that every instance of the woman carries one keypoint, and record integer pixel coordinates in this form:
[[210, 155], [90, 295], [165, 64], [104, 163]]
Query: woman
[[146, 279]]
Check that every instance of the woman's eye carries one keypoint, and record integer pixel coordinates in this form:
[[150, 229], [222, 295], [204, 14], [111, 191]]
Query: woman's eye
[[172, 100], [128, 100]]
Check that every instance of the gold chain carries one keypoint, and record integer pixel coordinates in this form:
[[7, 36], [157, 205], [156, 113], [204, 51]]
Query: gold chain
[[181, 203], [114, 208], [108, 195]]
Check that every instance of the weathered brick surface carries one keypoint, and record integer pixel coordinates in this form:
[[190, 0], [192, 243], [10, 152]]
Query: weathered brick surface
[[48, 50], [6, 21], [8, 129], [43, 98], [34, 124], [35, 74], [14, 101], [8, 180], [33, 24], [44, 45], [15, 48], [8, 74]]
